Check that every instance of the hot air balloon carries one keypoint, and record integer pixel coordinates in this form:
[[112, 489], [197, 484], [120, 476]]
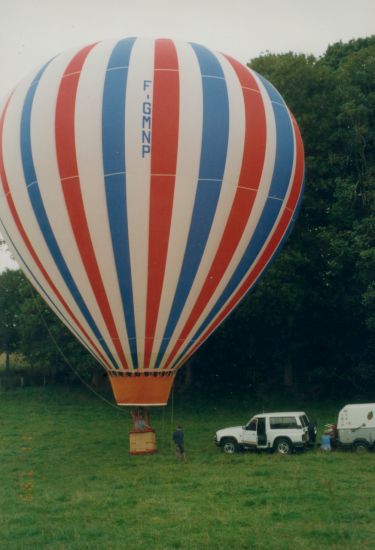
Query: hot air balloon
[[146, 185]]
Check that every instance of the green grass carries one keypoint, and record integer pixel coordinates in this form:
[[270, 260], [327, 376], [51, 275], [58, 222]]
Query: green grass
[[68, 481]]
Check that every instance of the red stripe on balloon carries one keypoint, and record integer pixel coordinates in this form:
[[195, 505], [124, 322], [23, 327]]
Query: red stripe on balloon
[[164, 146], [269, 250], [248, 184], [30, 248], [70, 182]]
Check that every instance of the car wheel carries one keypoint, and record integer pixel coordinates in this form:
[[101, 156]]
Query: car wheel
[[230, 446], [360, 447], [283, 446]]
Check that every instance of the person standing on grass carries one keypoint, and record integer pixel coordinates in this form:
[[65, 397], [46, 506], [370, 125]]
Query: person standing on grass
[[178, 439]]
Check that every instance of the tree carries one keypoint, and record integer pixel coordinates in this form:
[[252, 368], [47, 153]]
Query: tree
[[11, 285], [333, 242], [48, 345], [28, 326], [310, 320]]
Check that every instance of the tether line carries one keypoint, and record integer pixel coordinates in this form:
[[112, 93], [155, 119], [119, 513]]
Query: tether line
[[32, 292]]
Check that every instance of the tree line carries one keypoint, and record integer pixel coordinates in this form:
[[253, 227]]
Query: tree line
[[309, 324]]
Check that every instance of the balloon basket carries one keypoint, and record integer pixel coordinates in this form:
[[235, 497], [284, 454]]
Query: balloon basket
[[142, 438], [142, 443]]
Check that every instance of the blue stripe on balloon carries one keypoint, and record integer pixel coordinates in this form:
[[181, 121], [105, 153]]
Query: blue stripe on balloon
[[279, 186], [113, 137], [273, 94], [211, 171], [42, 291], [41, 214]]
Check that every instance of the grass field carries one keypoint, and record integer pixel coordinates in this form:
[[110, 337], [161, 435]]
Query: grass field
[[68, 481]]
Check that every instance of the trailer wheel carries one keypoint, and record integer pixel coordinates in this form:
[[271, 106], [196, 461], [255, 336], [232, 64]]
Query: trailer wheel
[[360, 446]]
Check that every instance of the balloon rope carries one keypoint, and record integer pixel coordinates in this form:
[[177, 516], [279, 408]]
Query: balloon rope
[[172, 417], [67, 360], [172, 410], [163, 428]]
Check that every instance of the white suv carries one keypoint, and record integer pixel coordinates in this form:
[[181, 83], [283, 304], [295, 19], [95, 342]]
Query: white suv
[[281, 432]]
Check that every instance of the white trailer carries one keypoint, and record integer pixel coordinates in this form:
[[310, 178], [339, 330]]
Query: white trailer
[[356, 426]]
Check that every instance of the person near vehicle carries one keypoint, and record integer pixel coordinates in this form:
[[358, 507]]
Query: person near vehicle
[[312, 431], [325, 442], [179, 441]]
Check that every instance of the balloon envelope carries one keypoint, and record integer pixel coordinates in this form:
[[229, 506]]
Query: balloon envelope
[[145, 187]]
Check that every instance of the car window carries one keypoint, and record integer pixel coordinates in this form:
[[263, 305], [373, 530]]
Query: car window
[[283, 422], [252, 425], [303, 421]]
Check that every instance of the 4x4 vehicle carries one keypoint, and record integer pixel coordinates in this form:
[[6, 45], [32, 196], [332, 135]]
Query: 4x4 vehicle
[[281, 432]]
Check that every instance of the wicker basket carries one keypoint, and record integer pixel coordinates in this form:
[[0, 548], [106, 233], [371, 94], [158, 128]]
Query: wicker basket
[[142, 443]]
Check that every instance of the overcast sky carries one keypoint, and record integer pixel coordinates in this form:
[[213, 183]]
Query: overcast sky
[[32, 31]]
